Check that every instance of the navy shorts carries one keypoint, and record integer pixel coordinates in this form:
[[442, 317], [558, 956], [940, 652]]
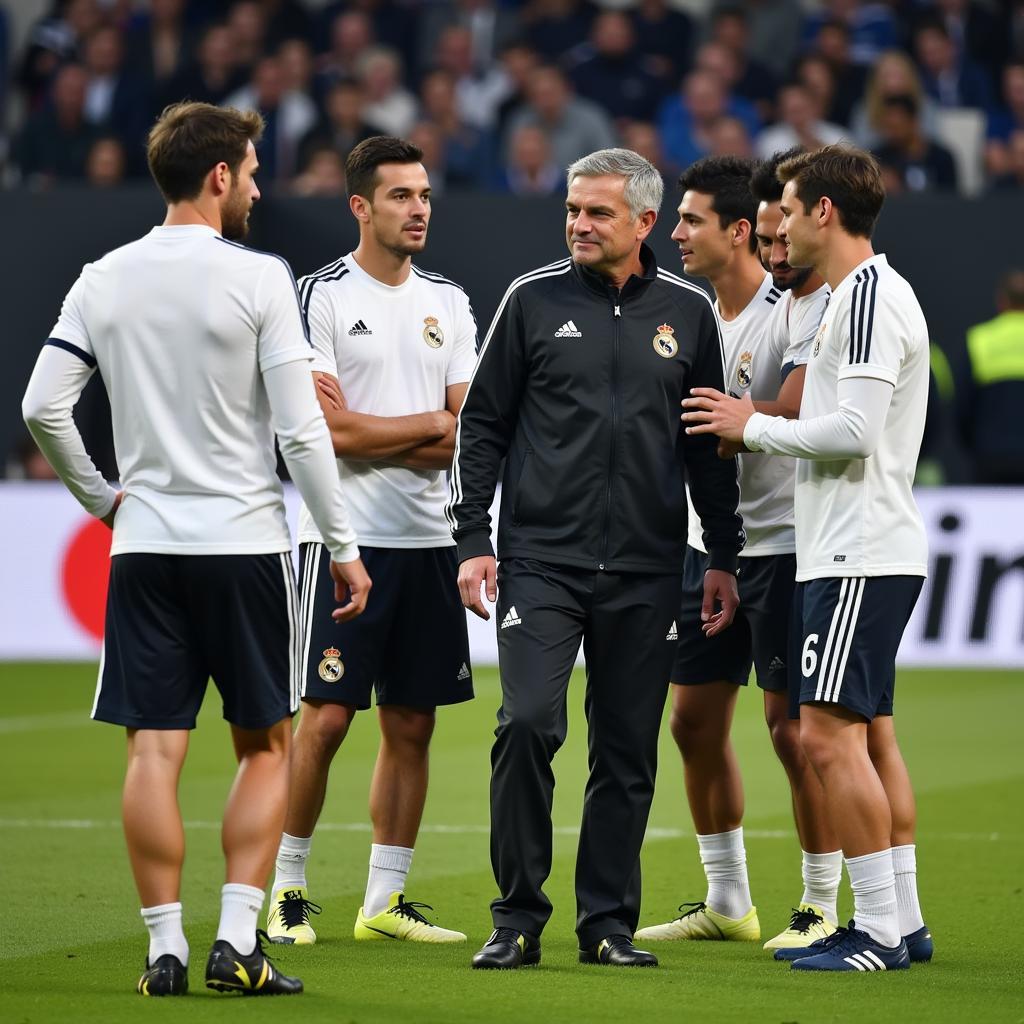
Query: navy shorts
[[847, 631], [758, 636], [175, 621], [411, 645]]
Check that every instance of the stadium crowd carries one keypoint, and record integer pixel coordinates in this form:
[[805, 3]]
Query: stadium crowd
[[502, 95]]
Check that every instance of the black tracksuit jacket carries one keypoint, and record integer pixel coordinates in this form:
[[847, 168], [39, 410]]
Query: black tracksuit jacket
[[578, 388]]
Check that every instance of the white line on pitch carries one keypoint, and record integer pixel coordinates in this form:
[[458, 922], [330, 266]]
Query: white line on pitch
[[464, 830]]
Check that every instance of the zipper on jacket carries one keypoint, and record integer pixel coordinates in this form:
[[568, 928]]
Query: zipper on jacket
[[616, 321]]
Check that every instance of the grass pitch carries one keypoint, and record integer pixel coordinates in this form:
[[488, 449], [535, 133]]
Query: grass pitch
[[72, 943]]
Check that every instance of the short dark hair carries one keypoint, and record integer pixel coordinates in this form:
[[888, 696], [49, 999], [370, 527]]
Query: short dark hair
[[1011, 288], [848, 176], [361, 176], [727, 180], [765, 186], [190, 139]]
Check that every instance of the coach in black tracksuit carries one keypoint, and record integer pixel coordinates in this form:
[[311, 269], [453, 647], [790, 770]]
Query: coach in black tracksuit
[[578, 388]]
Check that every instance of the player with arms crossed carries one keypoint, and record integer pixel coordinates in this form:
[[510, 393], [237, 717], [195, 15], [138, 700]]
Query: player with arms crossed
[[201, 346], [768, 323], [861, 545], [402, 344]]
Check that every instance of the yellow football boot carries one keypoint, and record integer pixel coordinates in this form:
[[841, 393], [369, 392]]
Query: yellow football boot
[[288, 921], [807, 925], [402, 920], [701, 922]]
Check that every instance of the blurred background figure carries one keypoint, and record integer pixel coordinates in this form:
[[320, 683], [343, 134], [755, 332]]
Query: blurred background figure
[[216, 73], [105, 165], [342, 125], [800, 123], [529, 169], [729, 137], [1007, 119], [666, 35], [686, 121], [990, 390], [573, 126], [895, 74], [832, 45], [1012, 178], [158, 50], [952, 79], [390, 107], [911, 162], [27, 462], [322, 174], [752, 80]]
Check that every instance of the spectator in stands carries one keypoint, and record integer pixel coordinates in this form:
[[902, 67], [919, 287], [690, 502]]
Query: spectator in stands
[[518, 63], [478, 93], [285, 19], [976, 33], [1012, 178], [393, 23], [390, 107], [815, 74], [27, 462], [722, 62], [872, 27], [1003, 122], [614, 73], [323, 174], [491, 27], [158, 49], [554, 27], [426, 136], [55, 141], [774, 31], [289, 116], [297, 64], [832, 44], [105, 165], [53, 40], [216, 74], [800, 124], [729, 137], [351, 35], [686, 121], [730, 27], [116, 100], [529, 169], [910, 161], [642, 137], [342, 126], [574, 126], [990, 394], [895, 74], [248, 24], [952, 80], [666, 35], [467, 151]]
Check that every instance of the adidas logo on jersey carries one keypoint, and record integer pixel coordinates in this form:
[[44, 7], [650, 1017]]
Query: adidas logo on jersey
[[673, 633], [511, 618], [359, 328], [776, 664], [568, 330], [464, 671]]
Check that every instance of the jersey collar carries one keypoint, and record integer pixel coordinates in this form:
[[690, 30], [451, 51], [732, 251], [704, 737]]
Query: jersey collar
[[596, 283]]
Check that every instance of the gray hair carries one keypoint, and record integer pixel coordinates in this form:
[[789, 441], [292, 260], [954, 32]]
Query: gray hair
[[644, 186]]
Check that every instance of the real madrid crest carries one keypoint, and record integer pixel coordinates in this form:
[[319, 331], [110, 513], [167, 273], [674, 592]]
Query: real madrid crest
[[743, 377], [331, 668], [818, 338], [665, 343], [432, 333]]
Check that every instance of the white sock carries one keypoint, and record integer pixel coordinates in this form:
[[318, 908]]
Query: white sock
[[240, 907], [904, 863], [725, 865], [389, 866], [821, 873], [874, 896], [291, 863], [165, 932]]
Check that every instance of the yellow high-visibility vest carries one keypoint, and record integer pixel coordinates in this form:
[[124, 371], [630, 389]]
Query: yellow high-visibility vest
[[996, 348]]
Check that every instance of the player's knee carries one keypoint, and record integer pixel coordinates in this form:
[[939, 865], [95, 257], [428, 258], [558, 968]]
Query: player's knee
[[530, 728], [818, 747], [785, 735], [410, 728], [325, 725], [692, 730]]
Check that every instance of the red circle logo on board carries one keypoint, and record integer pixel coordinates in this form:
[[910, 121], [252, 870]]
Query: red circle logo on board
[[84, 573]]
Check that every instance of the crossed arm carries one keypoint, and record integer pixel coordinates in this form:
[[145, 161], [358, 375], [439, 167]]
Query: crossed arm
[[419, 441]]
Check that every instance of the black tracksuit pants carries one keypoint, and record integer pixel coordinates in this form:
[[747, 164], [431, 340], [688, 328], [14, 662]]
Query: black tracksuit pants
[[624, 621]]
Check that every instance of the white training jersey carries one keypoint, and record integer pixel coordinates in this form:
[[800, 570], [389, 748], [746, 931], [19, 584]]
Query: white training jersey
[[770, 336], [395, 350], [858, 517], [181, 324]]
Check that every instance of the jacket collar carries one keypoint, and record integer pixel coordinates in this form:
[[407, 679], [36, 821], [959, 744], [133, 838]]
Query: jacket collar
[[603, 287]]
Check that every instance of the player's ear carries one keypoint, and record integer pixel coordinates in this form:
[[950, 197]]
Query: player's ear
[[360, 208]]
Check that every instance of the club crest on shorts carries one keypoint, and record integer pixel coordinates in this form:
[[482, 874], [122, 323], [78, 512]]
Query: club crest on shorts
[[432, 333], [665, 343], [818, 338], [332, 668], [743, 371]]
